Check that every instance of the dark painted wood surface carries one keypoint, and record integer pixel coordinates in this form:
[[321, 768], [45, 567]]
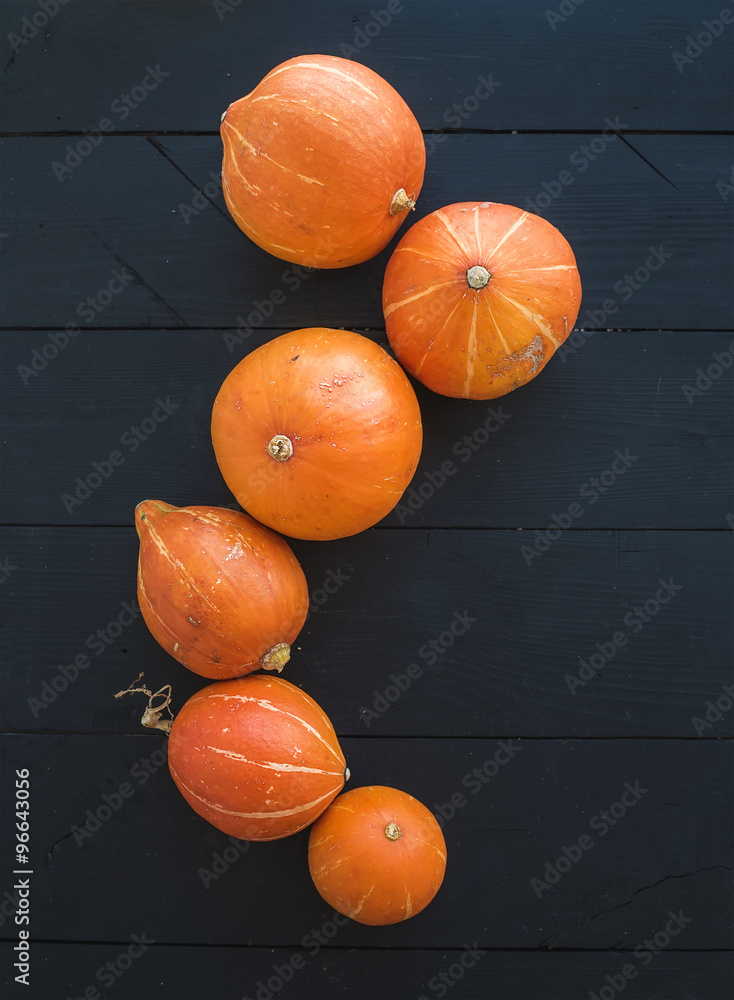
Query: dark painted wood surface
[[553, 73], [514, 462], [664, 847], [152, 210], [366, 974], [559, 719]]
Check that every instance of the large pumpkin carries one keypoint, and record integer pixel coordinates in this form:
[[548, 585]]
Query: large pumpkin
[[322, 160], [478, 296], [220, 592], [377, 855], [256, 757], [317, 433]]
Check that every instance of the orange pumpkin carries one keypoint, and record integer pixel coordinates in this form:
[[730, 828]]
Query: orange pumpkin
[[478, 296], [321, 161], [255, 757], [377, 855], [317, 433], [219, 591]]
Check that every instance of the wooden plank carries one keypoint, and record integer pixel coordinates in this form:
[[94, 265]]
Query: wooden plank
[[572, 732], [331, 972], [549, 70], [134, 208], [552, 649], [616, 394], [665, 848]]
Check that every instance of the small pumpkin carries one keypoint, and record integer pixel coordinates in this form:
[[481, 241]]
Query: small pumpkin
[[256, 757], [377, 855], [478, 296], [317, 433], [220, 592], [322, 160]]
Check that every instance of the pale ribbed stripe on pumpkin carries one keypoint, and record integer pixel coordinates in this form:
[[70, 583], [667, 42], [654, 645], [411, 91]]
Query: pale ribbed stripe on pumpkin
[[540, 321], [477, 234], [425, 256], [326, 869], [452, 232], [252, 188], [244, 224], [513, 228], [419, 295], [545, 267], [471, 350], [184, 573], [274, 814], [274, 708], [270, 765], [300, 104], [433, 847], [324, 69], [500, 335], [247, 226], [435, 337], [255, 152], [355, 913]]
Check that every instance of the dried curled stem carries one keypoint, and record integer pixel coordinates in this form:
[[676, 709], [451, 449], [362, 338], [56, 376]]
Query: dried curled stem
[[401, 203], [280, 448], [277, 657], [151, 717]]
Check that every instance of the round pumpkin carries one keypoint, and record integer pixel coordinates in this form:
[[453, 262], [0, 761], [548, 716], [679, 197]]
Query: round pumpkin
[[377, 855], [478, 296], [317, 433], [255, 757], [219, 591], [322, 160]]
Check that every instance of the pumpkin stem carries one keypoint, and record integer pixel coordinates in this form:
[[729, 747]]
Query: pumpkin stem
[[478, 276], [277, 657], [280, 448], [151, 717], [147, 511], [401, 202], [393, 831]]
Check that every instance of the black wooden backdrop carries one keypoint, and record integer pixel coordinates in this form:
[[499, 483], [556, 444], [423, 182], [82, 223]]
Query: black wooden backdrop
[[128, 291]]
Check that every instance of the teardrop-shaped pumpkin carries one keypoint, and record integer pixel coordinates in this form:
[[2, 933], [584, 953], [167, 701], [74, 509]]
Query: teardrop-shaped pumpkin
[[219, 591], [377, 855], [478, 296], [317, 433], [256, 757], [322, 161]]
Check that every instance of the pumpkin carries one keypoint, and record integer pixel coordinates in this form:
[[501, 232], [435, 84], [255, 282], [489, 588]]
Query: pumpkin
[[218, 591], [377, 855], [255, 757], [322, 160], [478, 296], [317, 433]]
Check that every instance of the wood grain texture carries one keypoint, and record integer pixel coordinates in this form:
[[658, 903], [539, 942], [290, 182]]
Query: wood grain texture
[[231, 973], [516, 462], [531, 652], [553, 74], [552, 697], [667, 849], [135, 206]]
